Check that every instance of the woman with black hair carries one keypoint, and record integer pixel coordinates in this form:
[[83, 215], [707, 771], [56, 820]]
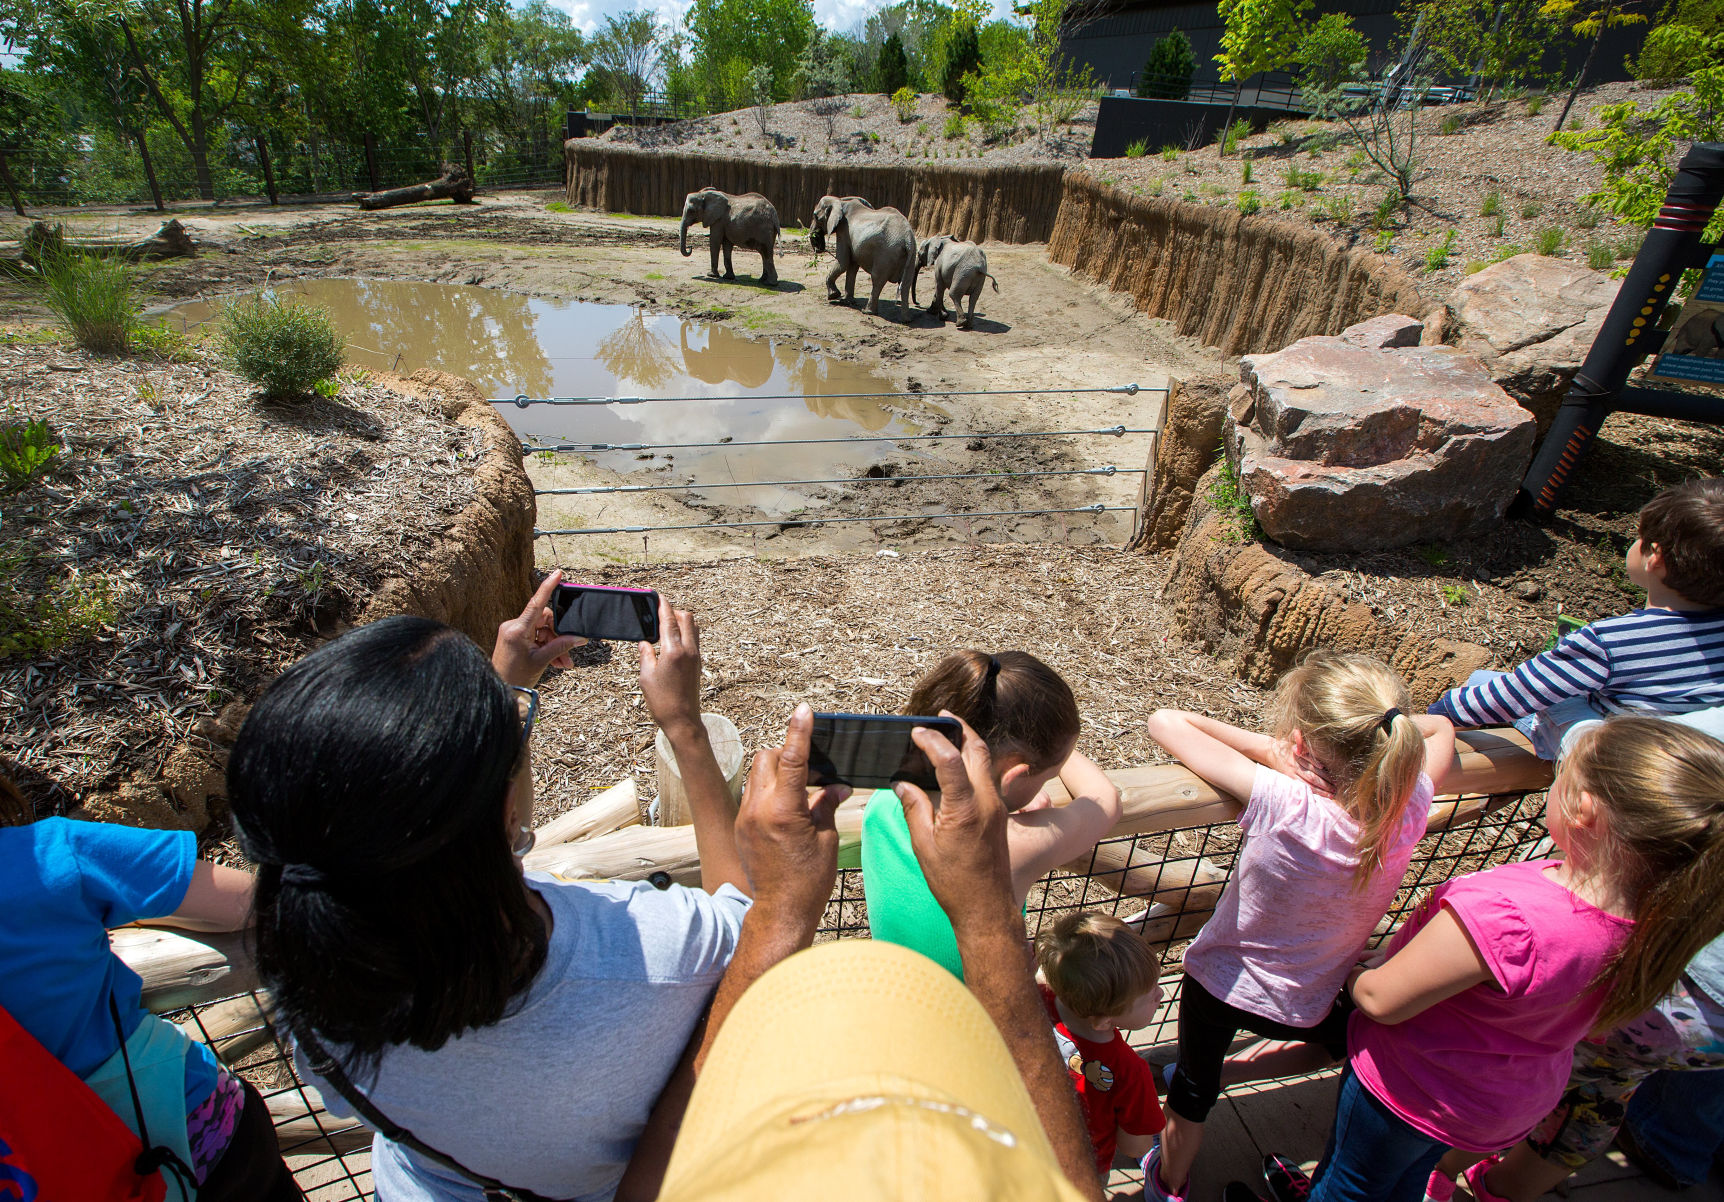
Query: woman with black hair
[[505, 1027]]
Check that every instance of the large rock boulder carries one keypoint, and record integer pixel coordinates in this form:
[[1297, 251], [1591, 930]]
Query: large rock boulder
[[1343, 447], [1530, 320], [1190, 440]]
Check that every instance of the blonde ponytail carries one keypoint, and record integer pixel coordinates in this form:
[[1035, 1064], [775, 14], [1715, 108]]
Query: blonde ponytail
[[1660, 788], [1352, 711]]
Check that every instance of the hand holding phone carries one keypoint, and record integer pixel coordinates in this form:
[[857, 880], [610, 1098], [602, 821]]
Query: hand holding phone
[[874, 751], [596, 611]]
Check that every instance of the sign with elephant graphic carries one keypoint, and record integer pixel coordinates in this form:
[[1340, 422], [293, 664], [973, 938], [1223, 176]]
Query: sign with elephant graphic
[[1694, 353]]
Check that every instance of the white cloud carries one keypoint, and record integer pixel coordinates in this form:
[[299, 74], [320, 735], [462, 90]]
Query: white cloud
[[838, 15]]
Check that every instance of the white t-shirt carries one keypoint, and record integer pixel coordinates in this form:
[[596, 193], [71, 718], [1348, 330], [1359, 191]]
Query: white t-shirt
[[553, 1097], [1289, 926]]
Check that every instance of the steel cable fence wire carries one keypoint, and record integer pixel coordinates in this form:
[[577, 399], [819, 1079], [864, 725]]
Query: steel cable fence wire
[[605, 489], [597, 448], [793, 521], [523, 401]]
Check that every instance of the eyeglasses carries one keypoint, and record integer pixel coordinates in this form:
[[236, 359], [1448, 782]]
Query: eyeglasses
[[527, 703]]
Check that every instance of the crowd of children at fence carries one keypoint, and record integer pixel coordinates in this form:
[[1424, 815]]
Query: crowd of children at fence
[[513, 1033]]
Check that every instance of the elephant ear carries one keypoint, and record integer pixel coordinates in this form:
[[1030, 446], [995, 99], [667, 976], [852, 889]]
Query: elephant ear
[[836, 217]]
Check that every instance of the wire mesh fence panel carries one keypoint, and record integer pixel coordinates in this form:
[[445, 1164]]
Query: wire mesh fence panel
[[1167, 882]]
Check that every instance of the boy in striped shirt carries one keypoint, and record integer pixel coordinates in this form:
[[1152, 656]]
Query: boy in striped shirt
[[1666, 657]]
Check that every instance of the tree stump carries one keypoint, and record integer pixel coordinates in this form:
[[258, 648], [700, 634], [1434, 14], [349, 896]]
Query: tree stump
[[171, 241], [454, 184]]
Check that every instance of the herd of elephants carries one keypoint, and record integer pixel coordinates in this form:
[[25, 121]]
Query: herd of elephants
[[879, 241]]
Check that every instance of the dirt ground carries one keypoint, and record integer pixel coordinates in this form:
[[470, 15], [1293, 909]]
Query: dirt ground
[[1044, 330]]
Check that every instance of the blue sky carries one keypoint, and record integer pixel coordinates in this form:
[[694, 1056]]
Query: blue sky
[[840, 15]]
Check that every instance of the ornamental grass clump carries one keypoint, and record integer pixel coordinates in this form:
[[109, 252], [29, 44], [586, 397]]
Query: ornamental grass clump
[[92, 297], [282, 345]]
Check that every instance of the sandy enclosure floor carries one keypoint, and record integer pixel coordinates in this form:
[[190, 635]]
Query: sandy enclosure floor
[[1045, 329]]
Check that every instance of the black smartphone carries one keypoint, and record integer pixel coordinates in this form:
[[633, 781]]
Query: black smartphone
[[873, 751], [595, 611]]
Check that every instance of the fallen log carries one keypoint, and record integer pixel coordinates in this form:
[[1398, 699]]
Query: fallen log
[[169, 242], [454, 184], [601, 814]]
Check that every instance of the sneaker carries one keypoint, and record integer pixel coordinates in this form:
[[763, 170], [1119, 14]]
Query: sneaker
[[1154, 1189], [1475, 1178], [1238, 1191], [1439, 1188], [1287, 1182]]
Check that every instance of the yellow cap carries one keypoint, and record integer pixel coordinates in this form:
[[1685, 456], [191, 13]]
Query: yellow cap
[[861, 1070]]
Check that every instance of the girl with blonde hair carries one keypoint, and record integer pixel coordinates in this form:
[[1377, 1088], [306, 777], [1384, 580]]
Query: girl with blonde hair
[[1336, 799]]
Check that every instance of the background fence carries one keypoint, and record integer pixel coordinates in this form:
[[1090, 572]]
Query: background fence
[[1172, 877]]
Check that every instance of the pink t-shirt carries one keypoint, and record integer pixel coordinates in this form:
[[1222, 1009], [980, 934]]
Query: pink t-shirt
[[1480, 1069], [1289, 926]]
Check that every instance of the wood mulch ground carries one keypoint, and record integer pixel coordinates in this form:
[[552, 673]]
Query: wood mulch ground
[[226, 533]]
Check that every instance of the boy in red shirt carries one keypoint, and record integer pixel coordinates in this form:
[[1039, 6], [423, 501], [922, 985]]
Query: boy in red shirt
[[1100, 980]]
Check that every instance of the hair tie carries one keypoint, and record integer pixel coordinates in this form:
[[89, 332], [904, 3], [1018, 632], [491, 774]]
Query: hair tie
[[1389, 716], [305, 876]]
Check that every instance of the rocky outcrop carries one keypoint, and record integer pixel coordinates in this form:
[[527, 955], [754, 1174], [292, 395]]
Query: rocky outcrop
[[1189, 442], [1342, 447], [1530, 320], [1240, 601], [1243, 284], [978, 204]]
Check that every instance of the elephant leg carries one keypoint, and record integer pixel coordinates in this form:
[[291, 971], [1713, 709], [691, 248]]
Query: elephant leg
[[876, 285], [729, 269], [970, 317], [768, 273], [935, 309], [712, 244], [832, 293]]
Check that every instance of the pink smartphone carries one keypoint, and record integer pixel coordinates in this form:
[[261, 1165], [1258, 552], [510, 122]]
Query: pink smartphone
[[597, 611]]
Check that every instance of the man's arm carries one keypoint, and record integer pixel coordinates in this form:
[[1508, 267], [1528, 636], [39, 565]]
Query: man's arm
[[961, 846], [670, 682]]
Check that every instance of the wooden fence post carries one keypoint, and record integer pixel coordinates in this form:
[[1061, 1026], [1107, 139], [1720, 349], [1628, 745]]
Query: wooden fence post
[[268, 171], [371, 161], [726, 746], [11, 188]]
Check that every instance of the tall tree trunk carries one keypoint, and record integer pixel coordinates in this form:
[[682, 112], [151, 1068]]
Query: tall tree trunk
[[1237, 85], [138, 135], [201, 156], [11, 188], [1580, 80]]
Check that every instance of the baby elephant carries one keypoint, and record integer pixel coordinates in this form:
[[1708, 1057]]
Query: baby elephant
[[959, 268]]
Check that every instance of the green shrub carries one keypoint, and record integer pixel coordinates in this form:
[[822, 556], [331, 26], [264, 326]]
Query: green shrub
[[904, 104], [561, 206], [1245, 172], [1548, 241], [1492, 206], [1497, 226], [1385, 212], [1432, 554], [1534, 105], [1154, 187], [28, 450], [1587, 218], [1249, 202], [1168, 70], [1338, 209], [1170, 153], [1627, 248], [1305, 181], [1385, 242], [1437, 257], [1455, 595], [1450, 125], [1672, 51], [1240, 129], [281, 345], [35, 623], [93, 298], [954, 126], [1599, 256], [1286, 198], [1238, 522], [1137, 149], [1530, 209]]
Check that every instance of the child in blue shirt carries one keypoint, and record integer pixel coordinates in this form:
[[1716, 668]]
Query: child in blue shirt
[[1666, 658], [63, 884]]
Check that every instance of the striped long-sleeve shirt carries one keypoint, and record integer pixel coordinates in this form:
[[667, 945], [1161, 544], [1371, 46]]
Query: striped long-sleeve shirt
[[1648, 660]]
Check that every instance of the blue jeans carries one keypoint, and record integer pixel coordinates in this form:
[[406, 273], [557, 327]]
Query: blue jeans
[[1678, 1120], [1373, 1155]]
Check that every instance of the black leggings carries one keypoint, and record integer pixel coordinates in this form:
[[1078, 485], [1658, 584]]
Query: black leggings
[[251, 1170], [1207, 1026]]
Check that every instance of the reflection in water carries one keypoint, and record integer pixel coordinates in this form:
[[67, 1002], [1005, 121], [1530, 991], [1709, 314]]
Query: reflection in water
[[509, 344]]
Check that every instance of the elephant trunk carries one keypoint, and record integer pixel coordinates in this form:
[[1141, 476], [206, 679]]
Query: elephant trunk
[[817, 237], [687, 220]]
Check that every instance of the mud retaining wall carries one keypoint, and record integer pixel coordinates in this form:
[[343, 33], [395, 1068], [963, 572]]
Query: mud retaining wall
[[982, 204], [1243, 284]]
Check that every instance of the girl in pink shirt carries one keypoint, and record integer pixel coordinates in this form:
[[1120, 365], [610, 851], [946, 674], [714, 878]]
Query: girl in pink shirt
[[1465, 1034], [1338, 798]]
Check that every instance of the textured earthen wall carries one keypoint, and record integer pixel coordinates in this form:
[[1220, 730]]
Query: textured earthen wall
[[998, 204], [1243, 284], [1240, 601]]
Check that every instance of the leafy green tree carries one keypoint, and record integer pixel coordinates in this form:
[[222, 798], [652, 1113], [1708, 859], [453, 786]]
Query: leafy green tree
[[962, 58], [1260, 35], [891, 66], [730, 36], [1589, 19], [530, 61], [1168, 70], [1330, 54], [823, 71], [627, 51], [1638, 148], [1689, 37]]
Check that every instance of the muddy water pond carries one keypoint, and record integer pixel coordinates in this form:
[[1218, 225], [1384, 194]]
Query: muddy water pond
[[508, 345]]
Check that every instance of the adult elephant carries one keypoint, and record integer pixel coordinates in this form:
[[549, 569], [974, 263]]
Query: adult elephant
[[878, 241], [748, 221]]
